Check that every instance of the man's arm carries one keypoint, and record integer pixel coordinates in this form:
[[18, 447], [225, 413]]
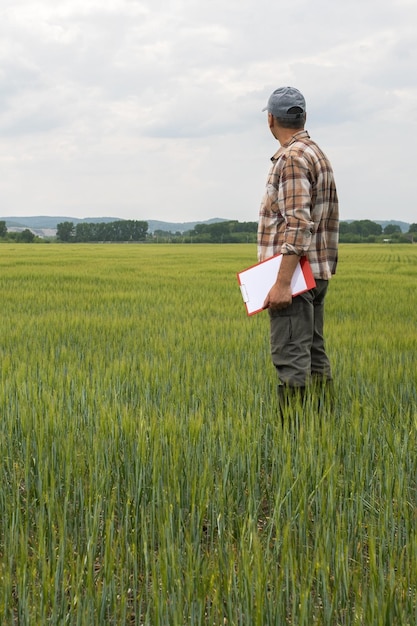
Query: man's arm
[[295, 200], [280, 295]]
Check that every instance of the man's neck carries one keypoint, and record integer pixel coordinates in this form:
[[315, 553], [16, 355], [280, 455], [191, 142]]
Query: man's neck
[[284, 135]]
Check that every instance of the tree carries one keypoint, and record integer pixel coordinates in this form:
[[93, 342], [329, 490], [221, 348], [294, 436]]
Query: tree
[[390, 229], [83, 232], [413, 228], [3, 229], [26, 236], [344, 228], [65, 231], [364, 228]]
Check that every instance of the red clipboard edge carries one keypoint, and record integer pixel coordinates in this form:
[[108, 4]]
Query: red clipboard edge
[[308, 275], [305, 268]]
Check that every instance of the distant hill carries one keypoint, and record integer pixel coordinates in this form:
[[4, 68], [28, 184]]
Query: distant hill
[[180, 227], [45, 222], [48, 221], [405, 226]]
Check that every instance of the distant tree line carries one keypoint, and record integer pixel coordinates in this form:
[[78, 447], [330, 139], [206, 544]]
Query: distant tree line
[[118, 231], [231, 231], [359, 231], [366, 231]]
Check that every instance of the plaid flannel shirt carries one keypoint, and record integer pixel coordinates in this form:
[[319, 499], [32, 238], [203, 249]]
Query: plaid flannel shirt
[[299, 213]]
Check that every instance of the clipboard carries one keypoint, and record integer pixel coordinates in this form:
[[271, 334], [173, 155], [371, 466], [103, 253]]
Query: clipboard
[[256, 281]]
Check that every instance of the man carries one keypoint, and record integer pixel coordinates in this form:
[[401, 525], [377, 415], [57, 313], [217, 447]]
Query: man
[[298, 216]]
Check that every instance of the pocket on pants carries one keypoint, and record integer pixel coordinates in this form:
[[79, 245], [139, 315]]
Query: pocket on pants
[[281, 332]]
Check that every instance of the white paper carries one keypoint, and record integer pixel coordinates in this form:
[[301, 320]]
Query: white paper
[[258, 280]]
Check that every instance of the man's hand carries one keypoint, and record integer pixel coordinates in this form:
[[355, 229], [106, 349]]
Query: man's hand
[[279, 297], [280, 294]]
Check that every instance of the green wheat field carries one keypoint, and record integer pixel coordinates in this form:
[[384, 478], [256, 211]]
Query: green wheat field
[[146, 478]]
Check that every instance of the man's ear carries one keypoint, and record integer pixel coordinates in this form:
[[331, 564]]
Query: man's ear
[[270, 120]]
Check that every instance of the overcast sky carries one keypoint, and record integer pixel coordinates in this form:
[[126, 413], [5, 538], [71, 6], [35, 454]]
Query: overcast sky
[[151, 109]]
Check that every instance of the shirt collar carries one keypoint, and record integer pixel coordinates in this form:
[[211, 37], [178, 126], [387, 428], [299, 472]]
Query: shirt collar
[[301, 134]]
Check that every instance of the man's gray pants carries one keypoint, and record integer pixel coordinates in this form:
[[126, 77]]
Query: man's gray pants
[[297, 342]]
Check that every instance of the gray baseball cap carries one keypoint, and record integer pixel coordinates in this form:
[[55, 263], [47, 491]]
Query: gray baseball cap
[[283, 99]]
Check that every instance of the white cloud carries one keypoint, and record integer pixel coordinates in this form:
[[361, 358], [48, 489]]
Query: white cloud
[[153, 109]]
